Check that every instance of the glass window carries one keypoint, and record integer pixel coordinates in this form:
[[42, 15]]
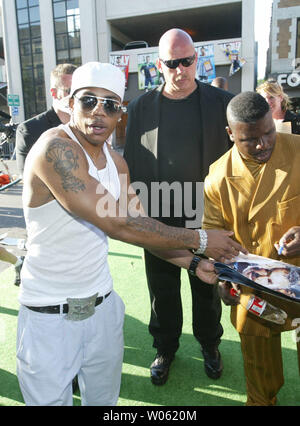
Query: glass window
[[34, 14], [38, 72], [28, 91], [31, 57], [74, 53], [77, 23], [30, 106], [59, 10], [62, 42], [71, 24], [60, 25], [25, 47], [36, 30], [24, 32], [73, 5], [67, 31], [27, 74], [40, 89], [37, 59], [37, 46], [62, 56], [74, 39], [21, 3], [22, 16], [26, 61]]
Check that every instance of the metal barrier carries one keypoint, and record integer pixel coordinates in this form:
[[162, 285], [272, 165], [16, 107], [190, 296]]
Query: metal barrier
[[7, 151]]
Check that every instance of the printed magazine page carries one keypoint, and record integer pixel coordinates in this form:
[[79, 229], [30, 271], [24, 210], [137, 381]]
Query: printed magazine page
[[260, 273]]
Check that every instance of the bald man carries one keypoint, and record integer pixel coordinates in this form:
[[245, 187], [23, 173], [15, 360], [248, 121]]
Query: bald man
[[174, 133]]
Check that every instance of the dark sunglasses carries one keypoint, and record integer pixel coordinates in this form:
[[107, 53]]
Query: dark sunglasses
[[174, 63], [110, 106]]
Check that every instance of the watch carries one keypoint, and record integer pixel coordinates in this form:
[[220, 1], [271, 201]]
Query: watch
[[193, 265]]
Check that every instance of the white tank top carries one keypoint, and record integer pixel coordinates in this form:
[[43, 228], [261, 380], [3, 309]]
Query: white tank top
[[67, 256]]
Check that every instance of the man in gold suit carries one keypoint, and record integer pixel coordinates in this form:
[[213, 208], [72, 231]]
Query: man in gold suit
[[254, 191]]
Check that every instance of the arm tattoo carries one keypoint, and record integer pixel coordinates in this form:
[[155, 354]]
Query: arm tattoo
[[152, 226], [65, 160]]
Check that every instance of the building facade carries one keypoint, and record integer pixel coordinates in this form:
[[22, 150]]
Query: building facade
[[38, 34], [283, 62]]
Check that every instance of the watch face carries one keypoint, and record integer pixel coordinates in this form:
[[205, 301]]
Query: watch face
[[197, 252]]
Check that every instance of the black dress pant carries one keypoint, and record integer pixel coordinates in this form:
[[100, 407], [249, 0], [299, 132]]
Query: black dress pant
[[166, 308]]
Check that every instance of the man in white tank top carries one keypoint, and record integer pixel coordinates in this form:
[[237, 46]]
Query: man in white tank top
[[71, 320]]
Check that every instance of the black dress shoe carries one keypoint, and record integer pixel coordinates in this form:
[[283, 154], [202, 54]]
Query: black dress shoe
[[159, 369], [213, 364]]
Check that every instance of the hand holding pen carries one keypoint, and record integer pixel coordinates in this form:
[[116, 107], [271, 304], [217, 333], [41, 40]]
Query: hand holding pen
[[289, 243]]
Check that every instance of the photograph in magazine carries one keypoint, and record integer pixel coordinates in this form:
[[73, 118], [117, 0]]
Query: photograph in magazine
[[232, 52], [148, 75], [206, 71], [122, 62], [267, 275]]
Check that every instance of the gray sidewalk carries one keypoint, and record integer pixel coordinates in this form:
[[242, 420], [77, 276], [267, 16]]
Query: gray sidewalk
[[11, 214]]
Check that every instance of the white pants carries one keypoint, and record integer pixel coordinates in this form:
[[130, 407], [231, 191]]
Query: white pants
[[52, 350]]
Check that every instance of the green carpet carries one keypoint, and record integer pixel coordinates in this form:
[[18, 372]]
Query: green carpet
[[187, 385]]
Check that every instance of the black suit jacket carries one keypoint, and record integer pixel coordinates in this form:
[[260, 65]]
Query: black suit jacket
[[29, 131], [141, 144]]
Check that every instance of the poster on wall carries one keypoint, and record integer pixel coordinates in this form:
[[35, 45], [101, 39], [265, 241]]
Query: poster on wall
[[122, 62], [148, 75], [206, 70], [232, 52]]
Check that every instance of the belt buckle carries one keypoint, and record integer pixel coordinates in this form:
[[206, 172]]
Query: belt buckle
[[80, 309]]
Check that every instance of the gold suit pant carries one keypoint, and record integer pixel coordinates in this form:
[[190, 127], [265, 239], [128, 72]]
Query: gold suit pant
[[263, 368]]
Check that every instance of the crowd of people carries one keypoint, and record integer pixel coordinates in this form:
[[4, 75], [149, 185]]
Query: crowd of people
[[78, 192]]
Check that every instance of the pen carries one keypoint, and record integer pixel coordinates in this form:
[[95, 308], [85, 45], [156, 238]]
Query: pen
[[280, 250]]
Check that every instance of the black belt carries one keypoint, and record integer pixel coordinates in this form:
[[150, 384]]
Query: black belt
[[56, 308]]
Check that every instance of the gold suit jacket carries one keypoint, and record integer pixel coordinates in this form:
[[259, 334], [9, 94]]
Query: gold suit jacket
[[259, 212]]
